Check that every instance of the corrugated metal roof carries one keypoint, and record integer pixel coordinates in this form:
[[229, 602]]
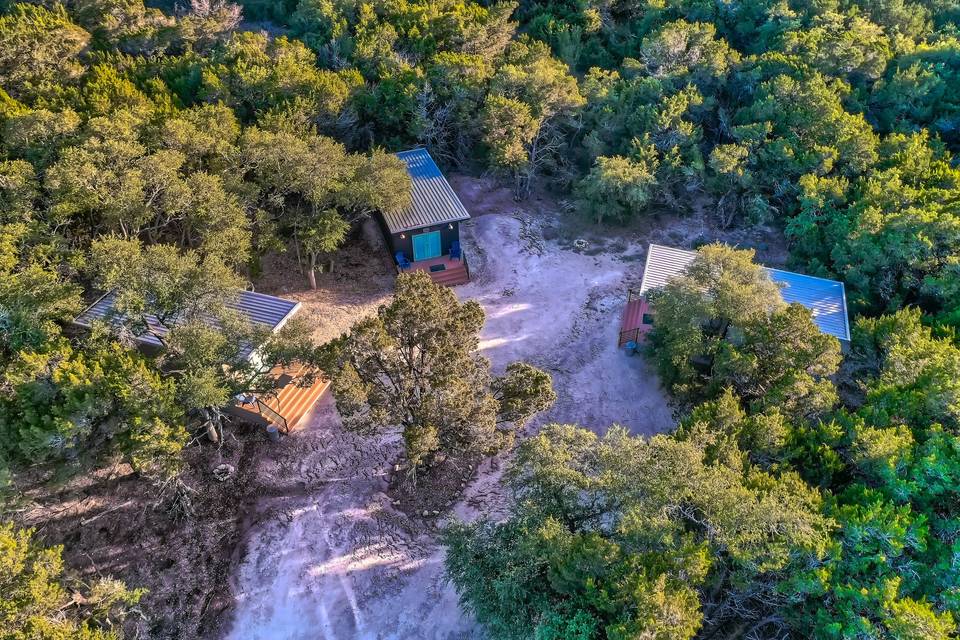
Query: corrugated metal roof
[[257, 308], [663, 263], [433, 200], [826, 299]]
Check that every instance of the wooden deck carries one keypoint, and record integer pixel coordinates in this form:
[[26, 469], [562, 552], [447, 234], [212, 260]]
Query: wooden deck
[[286, 406], [632, 326], [454, 272], [293, 401]]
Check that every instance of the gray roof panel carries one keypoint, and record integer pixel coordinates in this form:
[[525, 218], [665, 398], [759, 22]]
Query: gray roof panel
[[257, 308], [826, 299], [433, 200]]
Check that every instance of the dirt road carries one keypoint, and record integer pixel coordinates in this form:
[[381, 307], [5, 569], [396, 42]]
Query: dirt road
[[329, 557]]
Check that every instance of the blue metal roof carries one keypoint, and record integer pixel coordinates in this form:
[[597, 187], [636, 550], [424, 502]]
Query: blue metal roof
[[433, 200], [826, 299], [257, 308]]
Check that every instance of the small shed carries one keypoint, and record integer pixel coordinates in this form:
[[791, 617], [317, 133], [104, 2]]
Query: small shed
[[286, 404], [826, 299], [428, 228], [257, 308]]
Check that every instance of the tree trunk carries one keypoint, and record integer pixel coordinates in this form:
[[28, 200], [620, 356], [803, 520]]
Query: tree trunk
[[212, 432], [311, 270]]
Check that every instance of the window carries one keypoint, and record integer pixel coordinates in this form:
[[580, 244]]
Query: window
[[647, 318]]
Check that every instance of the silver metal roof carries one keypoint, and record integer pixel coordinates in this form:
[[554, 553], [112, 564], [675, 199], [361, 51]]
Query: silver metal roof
[[257, 308], [826, 299], [433, 200]]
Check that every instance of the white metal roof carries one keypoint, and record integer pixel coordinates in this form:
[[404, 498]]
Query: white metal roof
[[433, 200], [826, 299]]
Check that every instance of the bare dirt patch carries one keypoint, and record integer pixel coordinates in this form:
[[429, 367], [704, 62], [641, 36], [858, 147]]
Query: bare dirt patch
[[445, 481], [109, 525], [331, 554], [331, 557], [361, 280]]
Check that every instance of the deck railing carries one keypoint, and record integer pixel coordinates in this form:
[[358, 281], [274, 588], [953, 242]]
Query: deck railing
[[463, 260], [272, 416], [625, 336]]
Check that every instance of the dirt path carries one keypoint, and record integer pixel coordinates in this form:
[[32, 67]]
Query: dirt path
[[560, 310], [330, 557]]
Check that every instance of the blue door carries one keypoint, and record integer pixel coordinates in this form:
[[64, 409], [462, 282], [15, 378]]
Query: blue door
[[426, 245]]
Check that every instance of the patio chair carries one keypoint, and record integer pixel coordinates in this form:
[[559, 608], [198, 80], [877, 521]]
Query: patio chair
[[455, 252], [402, 261]]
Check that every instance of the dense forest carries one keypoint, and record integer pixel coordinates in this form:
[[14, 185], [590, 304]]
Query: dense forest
[[161, 150]]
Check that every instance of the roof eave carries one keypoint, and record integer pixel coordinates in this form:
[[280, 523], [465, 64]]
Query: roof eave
[[646, 264], [394, 231]]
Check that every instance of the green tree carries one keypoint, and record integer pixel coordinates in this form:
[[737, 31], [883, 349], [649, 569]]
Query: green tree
[[893, 462], [653, 121], [919, 90], [616, 189], [532, 96], [19, 191], [910, 373], [414, 366], [622, 537], [796, 125], [39, 45], [252, 73], [848, 46], [683, 52], [38, 135], [34, 295], [126, 25], [37, 602], [207, 135], [313, 184], [113, 183], [80, 407], [449, 107], [893, 234], [724, 323]]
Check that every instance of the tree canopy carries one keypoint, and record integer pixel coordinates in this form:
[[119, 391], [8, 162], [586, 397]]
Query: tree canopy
[[723, 323], [158, 153], [622, 537], [36, 602], [415, 367]]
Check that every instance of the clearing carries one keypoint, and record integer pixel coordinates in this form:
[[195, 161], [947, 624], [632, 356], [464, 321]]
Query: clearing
[[327, 553]]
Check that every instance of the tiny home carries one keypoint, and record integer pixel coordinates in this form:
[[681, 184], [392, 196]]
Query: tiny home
[[285, 404], [826, 299], [256, 308], [426, 235]]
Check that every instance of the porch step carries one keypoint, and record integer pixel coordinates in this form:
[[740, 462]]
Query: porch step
[[451, 277]]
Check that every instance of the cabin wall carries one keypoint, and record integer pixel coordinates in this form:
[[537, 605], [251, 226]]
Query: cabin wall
[[447, 237]]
